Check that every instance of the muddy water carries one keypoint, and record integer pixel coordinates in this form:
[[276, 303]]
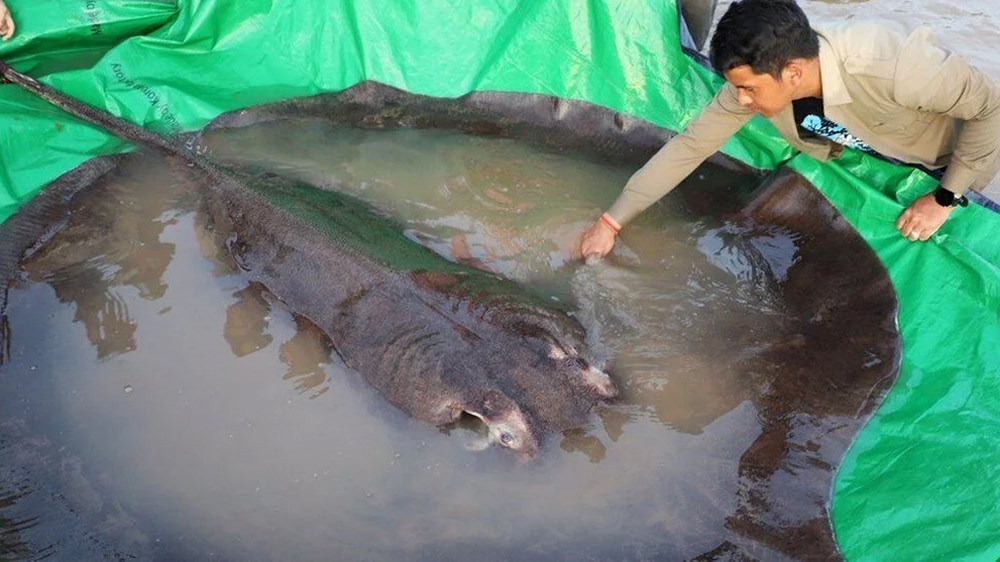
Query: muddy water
[[157, 405]]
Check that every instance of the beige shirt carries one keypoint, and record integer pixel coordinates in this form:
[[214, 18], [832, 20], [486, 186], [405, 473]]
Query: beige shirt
[[894, 89]]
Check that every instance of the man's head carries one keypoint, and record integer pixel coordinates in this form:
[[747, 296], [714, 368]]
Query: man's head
[[760, 45]]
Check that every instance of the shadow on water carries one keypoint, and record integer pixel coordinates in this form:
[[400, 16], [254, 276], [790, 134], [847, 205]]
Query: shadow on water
[[156, 404]]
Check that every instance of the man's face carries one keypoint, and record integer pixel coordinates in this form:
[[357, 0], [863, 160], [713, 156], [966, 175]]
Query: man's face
[[762, 92]]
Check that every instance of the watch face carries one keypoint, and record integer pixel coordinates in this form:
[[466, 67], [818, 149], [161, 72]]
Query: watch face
[[944, 197]]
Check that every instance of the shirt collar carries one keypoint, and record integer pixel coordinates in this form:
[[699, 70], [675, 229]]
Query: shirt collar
[[834, 90]]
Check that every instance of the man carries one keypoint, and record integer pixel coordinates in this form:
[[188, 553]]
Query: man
[[872, 86], [6, 22]]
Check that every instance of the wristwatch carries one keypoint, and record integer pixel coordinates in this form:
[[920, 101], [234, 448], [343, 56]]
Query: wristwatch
[[947, 198]]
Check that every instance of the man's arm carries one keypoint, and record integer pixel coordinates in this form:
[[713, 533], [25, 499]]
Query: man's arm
[[928, 78], [718, 121]]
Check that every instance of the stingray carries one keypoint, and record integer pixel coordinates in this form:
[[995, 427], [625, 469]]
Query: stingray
[[437, 339], [813, 389]]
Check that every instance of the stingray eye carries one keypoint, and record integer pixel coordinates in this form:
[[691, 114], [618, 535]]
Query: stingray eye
[[506, 438]]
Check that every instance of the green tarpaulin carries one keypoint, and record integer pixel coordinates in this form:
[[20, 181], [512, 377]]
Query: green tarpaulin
[[919, 483]]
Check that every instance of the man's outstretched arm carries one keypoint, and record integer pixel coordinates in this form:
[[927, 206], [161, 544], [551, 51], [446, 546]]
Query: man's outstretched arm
[[718, 121]]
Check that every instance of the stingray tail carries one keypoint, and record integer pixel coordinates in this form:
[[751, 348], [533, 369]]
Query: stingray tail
[[86, 112]]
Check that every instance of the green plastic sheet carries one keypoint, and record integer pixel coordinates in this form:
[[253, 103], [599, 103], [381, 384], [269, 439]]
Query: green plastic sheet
[[919, 483], [58, 35]]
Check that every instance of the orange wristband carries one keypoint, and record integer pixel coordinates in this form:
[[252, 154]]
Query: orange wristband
[[610, 223]]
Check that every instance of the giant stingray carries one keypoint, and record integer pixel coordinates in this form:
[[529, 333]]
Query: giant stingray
[[438, 340], [814, 389]]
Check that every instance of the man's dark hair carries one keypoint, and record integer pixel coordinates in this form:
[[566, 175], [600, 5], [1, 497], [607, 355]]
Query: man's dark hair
[[765, 34]]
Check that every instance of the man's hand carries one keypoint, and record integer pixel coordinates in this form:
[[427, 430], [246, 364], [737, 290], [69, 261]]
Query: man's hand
[[6, 22], [922, 218], [599, 238]]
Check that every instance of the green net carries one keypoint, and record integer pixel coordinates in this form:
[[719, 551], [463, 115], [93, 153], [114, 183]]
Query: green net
[[918, 482]]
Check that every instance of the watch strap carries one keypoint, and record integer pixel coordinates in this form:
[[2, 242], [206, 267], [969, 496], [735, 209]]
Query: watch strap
[[947, 198]]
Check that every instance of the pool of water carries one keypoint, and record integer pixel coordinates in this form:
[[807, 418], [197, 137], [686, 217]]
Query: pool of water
[[157, 405]]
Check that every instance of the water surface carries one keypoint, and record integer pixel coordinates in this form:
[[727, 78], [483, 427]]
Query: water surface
[[157, 405]]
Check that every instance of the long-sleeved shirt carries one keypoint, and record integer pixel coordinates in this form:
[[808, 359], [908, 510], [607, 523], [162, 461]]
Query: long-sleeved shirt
[[900, 92]]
